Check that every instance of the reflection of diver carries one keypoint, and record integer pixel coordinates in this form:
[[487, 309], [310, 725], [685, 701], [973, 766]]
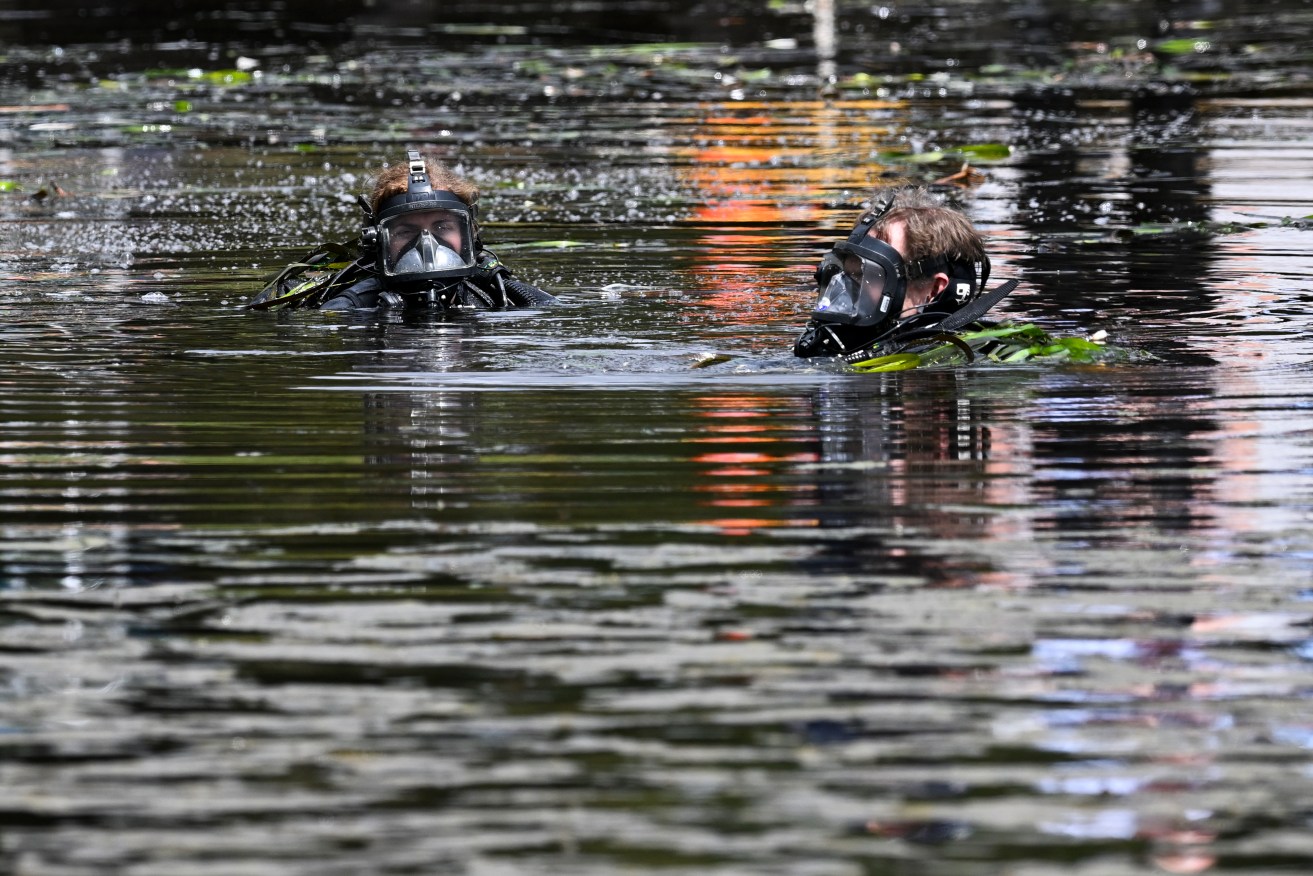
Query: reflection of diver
[[419, 444], [911, 269], [896, 459], [420, 249]]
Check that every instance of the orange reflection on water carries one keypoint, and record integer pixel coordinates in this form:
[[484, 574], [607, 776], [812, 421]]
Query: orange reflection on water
[[739, 477], [761, 168]]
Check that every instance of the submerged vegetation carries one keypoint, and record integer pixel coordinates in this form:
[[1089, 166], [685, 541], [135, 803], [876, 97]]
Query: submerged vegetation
[[1008, 344]]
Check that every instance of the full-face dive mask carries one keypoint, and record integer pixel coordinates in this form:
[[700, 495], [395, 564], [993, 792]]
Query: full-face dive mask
[[863, 282], [424, 238]]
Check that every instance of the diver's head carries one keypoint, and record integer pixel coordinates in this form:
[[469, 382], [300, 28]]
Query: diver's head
[[422, 227], [906, 254]]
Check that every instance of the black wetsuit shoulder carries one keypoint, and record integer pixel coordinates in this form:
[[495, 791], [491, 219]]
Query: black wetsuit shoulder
[[314, 283]]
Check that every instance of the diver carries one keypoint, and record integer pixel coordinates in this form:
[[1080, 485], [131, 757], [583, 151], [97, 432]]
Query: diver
[[420, 249], [911, 270]]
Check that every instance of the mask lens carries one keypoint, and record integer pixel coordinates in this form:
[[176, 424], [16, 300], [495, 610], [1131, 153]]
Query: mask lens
[[838, 300], [423, 242]]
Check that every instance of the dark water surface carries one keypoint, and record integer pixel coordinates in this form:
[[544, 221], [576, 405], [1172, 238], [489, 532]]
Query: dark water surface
[[621, 586]]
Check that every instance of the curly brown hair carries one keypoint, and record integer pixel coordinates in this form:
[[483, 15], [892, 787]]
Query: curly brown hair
[[395, 179]]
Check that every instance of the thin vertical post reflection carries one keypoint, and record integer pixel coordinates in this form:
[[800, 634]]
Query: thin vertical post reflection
[[826, 35]]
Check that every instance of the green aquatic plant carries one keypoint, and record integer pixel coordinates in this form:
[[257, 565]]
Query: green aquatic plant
[[209, 77], [1007, 343], [1208, 228], [650, 50], [1183, 46], [978, 152]]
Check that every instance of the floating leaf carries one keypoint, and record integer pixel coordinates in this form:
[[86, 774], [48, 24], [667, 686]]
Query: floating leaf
[[973, 152], [893, 362], [1186, 46], [485, 29], [227, 77], [924, 157], [214, 77], [641, 49], [988, 151], [553, 244]]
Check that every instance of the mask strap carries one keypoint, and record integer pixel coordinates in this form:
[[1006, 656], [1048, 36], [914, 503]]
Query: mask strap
[[861, 229], [877, 212], [927, 266]]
